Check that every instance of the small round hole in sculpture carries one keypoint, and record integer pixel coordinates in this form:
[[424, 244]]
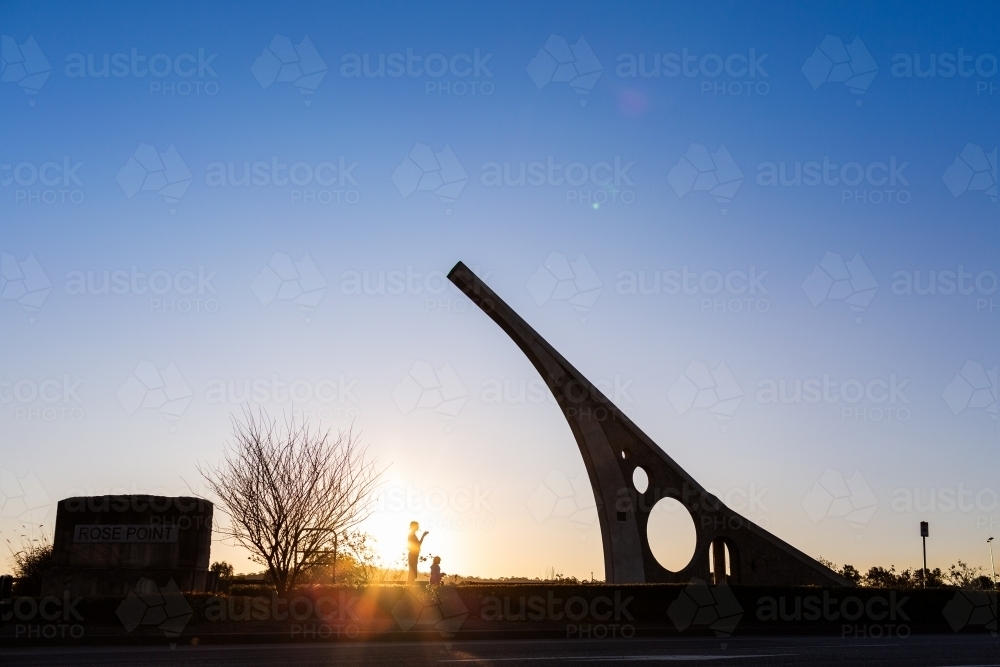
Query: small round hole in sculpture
[[672, 535], [625, 454], [640, 479]]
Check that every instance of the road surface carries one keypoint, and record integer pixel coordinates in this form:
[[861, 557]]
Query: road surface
[[942, 651]]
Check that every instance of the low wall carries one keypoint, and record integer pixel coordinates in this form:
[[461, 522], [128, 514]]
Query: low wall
[[165, 615]]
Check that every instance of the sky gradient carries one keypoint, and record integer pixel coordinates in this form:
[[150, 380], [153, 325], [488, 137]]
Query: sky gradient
[[253, 197]]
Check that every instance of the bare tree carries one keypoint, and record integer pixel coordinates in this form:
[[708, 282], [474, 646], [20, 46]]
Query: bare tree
[[291, 491]]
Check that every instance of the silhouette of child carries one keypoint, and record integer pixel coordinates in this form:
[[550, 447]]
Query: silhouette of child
[[413, 544], [436, 571]]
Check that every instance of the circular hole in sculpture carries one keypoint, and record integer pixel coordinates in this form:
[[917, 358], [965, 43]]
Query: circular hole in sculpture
[[671, 534], [640, 479], [625, 453]]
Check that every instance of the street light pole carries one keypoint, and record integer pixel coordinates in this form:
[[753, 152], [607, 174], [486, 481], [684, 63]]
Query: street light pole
[[923, 534], [992, 566]]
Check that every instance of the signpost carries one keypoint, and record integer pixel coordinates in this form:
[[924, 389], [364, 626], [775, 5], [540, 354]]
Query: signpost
[[923, 534], [6, 588]]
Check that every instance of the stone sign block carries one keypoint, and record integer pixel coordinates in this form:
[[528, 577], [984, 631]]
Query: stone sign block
[[105, 544]]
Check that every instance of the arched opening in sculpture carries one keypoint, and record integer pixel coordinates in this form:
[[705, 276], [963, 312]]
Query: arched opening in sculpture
[[724, 561]]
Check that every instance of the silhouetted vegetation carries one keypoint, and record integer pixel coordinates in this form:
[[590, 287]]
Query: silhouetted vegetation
[[223, 569], [354, 564], [30, 563], [959, 575]]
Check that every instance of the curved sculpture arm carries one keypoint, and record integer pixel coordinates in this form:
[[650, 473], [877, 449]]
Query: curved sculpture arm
[[613, 447]]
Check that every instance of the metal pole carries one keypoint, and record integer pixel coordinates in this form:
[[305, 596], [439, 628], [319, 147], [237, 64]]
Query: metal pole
[[924, 533], [992, 566], [923, 578]]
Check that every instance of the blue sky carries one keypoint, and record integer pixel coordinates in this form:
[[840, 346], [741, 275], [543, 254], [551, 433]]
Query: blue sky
[[911, 149]]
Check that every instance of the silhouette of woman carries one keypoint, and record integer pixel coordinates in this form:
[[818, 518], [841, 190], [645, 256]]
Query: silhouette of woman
[[413, 544]]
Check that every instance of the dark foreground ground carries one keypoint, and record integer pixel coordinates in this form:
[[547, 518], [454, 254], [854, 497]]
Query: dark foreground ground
[[937, 651]]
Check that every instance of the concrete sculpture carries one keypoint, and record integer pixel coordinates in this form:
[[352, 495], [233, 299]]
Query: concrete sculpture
[[613, 447]]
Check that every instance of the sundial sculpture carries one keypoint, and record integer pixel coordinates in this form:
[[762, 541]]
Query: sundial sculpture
[[613, 447]]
